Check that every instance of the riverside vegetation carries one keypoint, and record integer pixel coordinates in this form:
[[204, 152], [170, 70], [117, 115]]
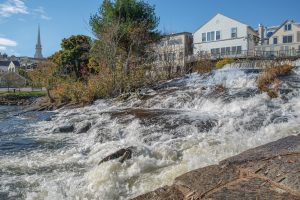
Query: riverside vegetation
[[269, 82], [120, 60]]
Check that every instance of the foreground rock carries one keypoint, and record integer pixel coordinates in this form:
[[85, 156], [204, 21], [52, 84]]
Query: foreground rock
[[271, 171], [84, 128], [65, 129]]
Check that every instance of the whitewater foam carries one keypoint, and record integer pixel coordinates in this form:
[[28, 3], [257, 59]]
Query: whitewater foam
[[182, 127]]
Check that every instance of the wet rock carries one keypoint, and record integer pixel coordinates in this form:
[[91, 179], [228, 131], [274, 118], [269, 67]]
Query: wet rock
[[84, 128], [122, 155], [271, 171], [65, 129], [220, 88]]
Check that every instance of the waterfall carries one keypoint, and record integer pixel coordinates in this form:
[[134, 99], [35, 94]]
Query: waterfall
[[184, 124]]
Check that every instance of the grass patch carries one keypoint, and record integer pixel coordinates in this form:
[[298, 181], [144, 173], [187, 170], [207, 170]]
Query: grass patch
[[268, 80], [24, 93]]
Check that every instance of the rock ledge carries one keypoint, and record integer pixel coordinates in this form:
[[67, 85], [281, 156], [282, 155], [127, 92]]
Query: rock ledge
[[271, 171]]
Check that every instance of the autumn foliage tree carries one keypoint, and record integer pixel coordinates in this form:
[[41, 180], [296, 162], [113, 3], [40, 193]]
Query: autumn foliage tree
[[44, 76], [74, 55], [124, 29]]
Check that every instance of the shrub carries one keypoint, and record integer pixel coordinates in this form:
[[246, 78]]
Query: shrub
[[268, 80], [223, 62], [204, 66], [100, 85]]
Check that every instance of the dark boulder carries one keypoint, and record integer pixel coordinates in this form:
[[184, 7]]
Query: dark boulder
[[84, 128], [65, 129], [122, 155]]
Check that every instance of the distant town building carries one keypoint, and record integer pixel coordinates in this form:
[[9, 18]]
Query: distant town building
[[173, 50], [38, 48], [223, 36], [3, 56], [283, 40], [9, 66]]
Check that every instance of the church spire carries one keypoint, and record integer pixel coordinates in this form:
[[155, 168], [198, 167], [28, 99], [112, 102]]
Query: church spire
[[39, 37], [38, 48]]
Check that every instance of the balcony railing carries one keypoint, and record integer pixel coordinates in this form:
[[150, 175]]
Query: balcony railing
[[245, 54]]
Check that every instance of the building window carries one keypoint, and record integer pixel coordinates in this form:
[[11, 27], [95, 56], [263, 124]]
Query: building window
[[208, 36], [203, 37], [298, 36], [170, 57], [233, 50], [275, 40], [218, 35], [233, 32], [212, 35], [223, 50], [288, 27], [215, 52], [287, 39], [175, 42], [239, 50], [227, 50]]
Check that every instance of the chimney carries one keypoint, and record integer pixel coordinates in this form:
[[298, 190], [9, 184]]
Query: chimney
[[261, 33]]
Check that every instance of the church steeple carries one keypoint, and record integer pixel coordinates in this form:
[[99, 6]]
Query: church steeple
[[38, 48]]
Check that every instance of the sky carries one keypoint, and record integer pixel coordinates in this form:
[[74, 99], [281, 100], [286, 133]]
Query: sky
[[58, 19]]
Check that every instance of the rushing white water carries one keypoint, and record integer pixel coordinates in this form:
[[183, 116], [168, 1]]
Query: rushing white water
[[186, 124]]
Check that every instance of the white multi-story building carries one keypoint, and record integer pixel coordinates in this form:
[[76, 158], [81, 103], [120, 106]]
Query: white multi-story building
[[223, 36], [284, 40]]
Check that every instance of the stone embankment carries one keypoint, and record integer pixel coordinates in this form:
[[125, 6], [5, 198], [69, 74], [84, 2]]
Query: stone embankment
[[271, 171]]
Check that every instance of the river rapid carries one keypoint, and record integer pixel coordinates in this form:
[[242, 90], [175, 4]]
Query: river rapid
[[183, 124]]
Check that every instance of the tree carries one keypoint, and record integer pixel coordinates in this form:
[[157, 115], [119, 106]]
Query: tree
[[44, 76], [75, 55], [12, 79], [22, 72], [56, 57], [124, 29]]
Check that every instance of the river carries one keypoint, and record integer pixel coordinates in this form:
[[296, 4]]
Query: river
[[182, 125]]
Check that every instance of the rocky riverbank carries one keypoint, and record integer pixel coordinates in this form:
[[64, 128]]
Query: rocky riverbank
[[271, 171], [12, 100]]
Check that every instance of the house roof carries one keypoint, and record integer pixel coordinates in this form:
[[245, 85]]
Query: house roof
[[6, 63], [227, 17], [279, 27], [175, 34]]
